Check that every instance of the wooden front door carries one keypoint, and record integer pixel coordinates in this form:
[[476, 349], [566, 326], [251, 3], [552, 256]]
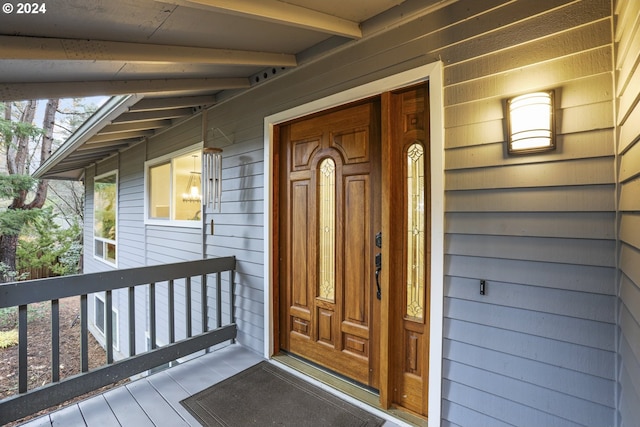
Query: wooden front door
[[334, 196], [329, 214], [407, 228]]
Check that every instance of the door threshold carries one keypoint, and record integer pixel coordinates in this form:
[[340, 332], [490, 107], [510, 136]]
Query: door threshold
[[355, 391]]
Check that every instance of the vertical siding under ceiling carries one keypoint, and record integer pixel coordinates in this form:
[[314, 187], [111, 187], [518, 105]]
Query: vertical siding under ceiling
[[627, 37], [539, 347]]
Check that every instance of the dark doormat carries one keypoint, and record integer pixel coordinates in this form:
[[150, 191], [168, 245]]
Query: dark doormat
[[265, 395]]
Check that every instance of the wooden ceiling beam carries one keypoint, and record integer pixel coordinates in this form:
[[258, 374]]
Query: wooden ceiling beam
[[139, 116], [135, 126], [46, 90], [281, 13], [40, 48], [152, 104], [108, 139]]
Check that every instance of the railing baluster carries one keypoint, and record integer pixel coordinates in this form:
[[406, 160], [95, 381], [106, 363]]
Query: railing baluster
[[84, 330], [171, 308], [55, 340], [152, 315], [232, 298], [132, 320], [203, 308], [22, 349], [109, 327], [232, 294], [187, 304], [218, 300]]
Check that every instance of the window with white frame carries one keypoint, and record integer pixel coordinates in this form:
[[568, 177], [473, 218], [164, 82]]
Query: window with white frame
[[100, 320], [174, 189], [105, 209]]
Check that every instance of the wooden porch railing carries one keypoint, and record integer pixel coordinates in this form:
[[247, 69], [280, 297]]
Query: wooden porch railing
[[20, 294]]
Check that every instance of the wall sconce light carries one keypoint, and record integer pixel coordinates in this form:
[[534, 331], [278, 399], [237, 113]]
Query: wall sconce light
[[212, 167], [530, 123]]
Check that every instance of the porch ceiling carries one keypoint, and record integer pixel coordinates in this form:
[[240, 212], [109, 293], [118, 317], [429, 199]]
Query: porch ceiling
[[175, 56]]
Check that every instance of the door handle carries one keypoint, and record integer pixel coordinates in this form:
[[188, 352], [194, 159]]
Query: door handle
[[378, 268]]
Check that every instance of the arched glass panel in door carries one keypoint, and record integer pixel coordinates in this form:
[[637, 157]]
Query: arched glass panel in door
[[327, 229], [416, 242]]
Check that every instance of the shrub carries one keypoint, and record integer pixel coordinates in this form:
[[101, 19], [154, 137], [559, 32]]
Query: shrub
[[8, 338]]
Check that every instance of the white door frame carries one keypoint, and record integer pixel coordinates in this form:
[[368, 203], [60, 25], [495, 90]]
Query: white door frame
[[432, 73]]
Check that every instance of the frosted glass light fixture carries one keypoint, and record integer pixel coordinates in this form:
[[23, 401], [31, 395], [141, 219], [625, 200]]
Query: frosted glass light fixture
[[530, 123]]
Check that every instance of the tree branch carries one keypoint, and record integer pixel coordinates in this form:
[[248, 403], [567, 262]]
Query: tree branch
[[48, 124]]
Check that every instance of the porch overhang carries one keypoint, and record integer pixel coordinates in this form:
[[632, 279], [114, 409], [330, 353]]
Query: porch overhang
[[122, 121], [163, 60]]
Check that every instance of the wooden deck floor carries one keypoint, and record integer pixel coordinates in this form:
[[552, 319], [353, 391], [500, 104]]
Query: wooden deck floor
[[155, 400]]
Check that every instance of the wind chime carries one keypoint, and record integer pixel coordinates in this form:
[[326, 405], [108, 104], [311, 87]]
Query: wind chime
[[212, 167]]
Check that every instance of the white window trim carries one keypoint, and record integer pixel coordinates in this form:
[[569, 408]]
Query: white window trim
[[432, 73], [164, 159], [93, 228], [115, 318]]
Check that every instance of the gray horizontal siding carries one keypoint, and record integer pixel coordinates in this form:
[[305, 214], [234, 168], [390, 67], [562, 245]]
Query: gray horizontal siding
[[184, 134], [487, 152], [546, 406], [131, 209], [498, 410], [568, 173], [574, 383], [541, 249], [592, 361], [584, 305], [177, 243], [238, 228], [571, 225], [539, 323], [555, 199], [627, 34], [580, 278], [539, 228]]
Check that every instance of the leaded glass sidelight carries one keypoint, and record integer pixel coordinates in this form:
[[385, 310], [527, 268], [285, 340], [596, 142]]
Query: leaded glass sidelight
[[327, 229], [416, 242]]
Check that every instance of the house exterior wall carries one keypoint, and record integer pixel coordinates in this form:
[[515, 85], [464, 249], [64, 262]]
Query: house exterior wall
[[139, 244], [627, 63], [540, 229], [540, 347]]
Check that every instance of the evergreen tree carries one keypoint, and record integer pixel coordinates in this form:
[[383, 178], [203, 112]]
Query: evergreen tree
[[19, 136]]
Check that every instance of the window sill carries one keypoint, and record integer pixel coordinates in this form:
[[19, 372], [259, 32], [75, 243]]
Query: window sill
[[174, 223]]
